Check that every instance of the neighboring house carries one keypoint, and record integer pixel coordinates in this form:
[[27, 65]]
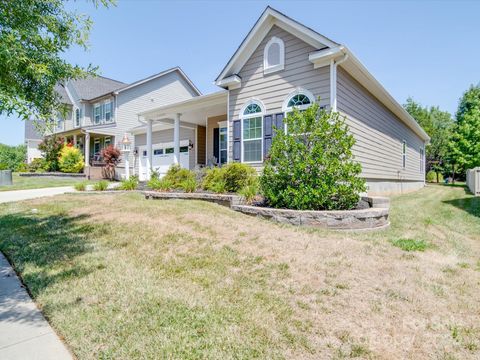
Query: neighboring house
[[102, 110], [283, 64], [33, 138]]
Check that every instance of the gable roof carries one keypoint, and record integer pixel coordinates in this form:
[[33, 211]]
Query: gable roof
[[155, 76], [92, 87], [262, 26], [327, 51], [62, 94]]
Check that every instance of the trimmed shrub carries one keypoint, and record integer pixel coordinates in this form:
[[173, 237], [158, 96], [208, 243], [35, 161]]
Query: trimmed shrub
[[81, 186], [70, 160], [177, 176], [432, 177], [130, 184], [38, 165], [230, 178], [102, 185], [311, 167]]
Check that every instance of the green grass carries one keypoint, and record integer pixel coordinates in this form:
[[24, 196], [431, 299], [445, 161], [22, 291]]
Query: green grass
[[410, 244], [24, 183], [124, 278]]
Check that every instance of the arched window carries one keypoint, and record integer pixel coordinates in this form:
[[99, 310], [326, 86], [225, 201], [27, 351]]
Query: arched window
[[252, 131], [274, 55], [300, 99]]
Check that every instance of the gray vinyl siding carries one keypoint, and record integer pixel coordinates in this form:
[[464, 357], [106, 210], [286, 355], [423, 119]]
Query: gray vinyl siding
[[166, 136], [161, 91], [272, 89], [378, 132]]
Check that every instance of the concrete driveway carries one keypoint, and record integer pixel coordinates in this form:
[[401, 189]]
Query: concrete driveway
[[18, 195]]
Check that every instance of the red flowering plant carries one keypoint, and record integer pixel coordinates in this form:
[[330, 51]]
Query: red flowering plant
[[51, 147], [111, 158]]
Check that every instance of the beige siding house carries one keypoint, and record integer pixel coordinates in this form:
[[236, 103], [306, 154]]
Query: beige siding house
[[283, 64]]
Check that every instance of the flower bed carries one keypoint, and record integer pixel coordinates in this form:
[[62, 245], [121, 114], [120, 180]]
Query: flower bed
[[373, 216]]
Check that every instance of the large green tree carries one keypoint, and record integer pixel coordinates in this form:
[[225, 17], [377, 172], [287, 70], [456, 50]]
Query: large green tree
[[438, 125], [33, 36], [465, 142]]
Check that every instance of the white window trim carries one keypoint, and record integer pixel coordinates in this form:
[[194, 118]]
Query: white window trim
[[271, 69], [404, 154], [80, 117], [95, 107], [249, 116], [103, 118], [286, 109]]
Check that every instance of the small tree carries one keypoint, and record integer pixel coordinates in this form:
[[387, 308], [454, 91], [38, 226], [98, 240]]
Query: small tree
[[51, 147], [111, 158], [71, 159], [311, 167]]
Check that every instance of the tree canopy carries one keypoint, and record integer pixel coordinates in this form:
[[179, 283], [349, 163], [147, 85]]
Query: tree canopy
[[33, 36], [465, 142], [438, 125]]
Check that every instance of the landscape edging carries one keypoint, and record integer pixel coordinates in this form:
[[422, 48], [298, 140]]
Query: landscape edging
[[374, 217]]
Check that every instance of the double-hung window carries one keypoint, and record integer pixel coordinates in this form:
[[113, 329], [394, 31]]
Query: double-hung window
[[222, 142], [108, 112], [78, 117], [252, 133], [97, 113]]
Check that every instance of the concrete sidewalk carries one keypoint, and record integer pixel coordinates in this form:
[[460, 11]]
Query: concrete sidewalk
[[24, 332], [18, 195]]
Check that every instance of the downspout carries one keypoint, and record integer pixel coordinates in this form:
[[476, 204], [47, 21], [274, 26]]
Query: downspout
[[333, 81]]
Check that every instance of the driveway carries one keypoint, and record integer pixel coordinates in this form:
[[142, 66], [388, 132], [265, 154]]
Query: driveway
[[24, 332], [18, 195]]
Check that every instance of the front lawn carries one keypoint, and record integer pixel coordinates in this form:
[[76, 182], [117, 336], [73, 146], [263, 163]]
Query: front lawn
[[34, 182], [123, 278]]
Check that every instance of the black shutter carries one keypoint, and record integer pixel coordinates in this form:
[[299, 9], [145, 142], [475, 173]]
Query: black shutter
[[271, 124], [216, 145], [267, 134], [237, 137]]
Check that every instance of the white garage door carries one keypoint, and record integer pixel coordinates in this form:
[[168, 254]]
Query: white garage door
[[162, 158]]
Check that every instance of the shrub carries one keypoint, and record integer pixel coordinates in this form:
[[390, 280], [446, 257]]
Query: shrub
[[237, 176], [432, 177], [230, 178], [38, 165], [12, 156], [111, 158], [311, 167], [160, 184], [129, 184], [177, 175], [71, 160], [250, 191], [3, 166], [189, 185], [50, 148], [81, 186], [22, 167], [102, 185]]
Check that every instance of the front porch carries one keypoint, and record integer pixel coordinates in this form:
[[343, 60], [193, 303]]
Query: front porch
[[192, 133]]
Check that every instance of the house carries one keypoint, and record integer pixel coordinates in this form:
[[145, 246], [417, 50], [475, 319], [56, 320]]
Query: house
[[283, 64], [102, 110]]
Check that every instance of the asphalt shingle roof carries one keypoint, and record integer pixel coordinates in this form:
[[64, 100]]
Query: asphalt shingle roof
[[93, 87]]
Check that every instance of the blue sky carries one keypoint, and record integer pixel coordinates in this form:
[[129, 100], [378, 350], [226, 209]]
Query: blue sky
[[428, 50]]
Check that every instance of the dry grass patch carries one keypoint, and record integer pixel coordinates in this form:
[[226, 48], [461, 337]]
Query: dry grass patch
[[121, 277]]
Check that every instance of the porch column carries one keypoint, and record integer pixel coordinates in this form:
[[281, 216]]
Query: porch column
[[149, 149], [176, 140], [87, 150], [75, 140]]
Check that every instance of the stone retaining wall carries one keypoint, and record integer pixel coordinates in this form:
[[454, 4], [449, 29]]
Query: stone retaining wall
[[52, 174], [374, 217]]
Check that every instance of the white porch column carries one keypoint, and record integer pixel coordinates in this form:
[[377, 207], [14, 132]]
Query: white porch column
[[75, 140], [176, 140], [87, 149], [149, 149]]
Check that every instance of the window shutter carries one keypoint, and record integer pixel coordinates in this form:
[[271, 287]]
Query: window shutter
[[237, 137], [279, 121], [267, 134], [216, 145]]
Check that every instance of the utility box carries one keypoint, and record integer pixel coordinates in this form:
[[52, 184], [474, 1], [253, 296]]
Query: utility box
[[5, 177], [473, 181]]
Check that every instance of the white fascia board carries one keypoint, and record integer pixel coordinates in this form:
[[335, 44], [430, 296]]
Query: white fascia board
[[231, 82], [356, 69]]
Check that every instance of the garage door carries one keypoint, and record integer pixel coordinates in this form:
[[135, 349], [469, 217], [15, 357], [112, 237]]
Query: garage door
[[162, 158]]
